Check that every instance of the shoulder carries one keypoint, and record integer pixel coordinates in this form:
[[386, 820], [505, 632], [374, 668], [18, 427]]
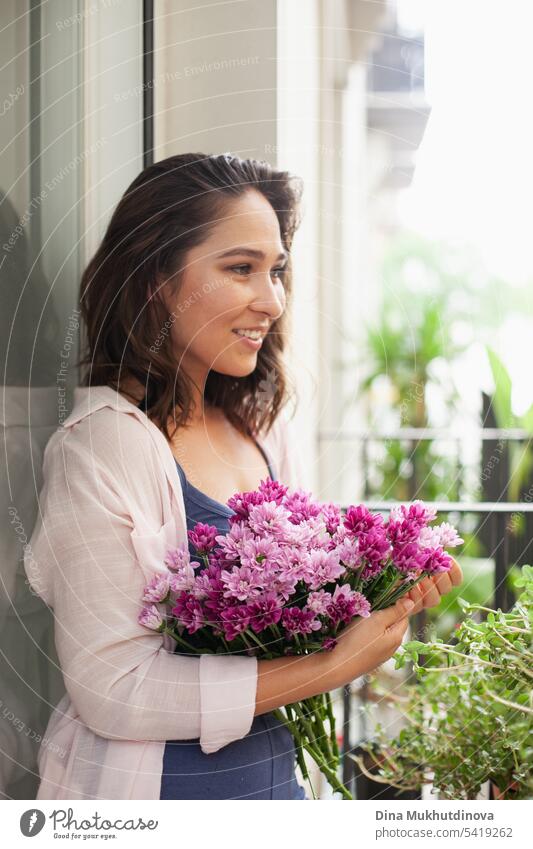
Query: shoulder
[[116, 445]]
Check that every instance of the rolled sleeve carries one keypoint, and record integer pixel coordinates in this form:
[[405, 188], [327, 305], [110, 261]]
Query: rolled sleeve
[[228, 689]]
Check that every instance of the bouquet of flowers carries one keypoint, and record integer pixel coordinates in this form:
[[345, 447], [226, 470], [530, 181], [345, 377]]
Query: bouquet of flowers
[[288, 576]]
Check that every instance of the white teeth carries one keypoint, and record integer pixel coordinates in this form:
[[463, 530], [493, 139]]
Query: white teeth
[[252, 334]]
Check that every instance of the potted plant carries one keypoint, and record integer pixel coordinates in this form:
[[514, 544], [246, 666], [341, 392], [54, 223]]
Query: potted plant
[[470, 713]]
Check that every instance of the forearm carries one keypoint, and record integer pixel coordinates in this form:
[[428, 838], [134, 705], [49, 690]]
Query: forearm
[[290, 679]]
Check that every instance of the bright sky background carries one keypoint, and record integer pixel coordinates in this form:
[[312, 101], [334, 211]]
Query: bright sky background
[[474, 170]]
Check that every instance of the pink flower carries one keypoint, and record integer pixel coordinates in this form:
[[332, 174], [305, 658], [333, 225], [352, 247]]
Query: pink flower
[[234, 620], [241, 582], [358, 519], [296, 620], [331, 513], [449, 537], [319, 601], [329, 643], [260, 550], [184, 579], [347, 603], [203, 537], [157, 589], [176, 558], [151, 617], [189, 612], [273, 490], [436, 560], [301, 505], [241, 504], [269, 518], [265, 611], [324, 568]]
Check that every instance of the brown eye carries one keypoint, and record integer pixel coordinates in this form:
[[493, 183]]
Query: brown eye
[[239, 269]]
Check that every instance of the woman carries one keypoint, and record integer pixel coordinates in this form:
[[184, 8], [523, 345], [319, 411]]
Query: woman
[[185, 305]]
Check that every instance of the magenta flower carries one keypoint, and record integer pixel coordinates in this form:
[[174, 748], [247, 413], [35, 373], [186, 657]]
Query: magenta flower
[[151, 617], [189, 612], [301, 505], [296, 620], [241, 503], [329, 643], [234, 620], [273, 490], [265, 611], [203, 537], [331, 513], [358, 519], [347, 603], [436, 560]]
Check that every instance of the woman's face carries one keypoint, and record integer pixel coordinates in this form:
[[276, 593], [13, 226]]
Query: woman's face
[[232, 281]]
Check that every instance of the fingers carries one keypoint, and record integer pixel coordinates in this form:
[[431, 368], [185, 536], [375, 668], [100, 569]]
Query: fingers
[[430, 593], [455, 573], [443, 582], [415, 593], [395, 612]]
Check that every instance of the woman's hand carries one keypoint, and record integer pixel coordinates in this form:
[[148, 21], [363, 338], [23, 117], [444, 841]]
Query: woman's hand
[[429, 591], [368, 642]]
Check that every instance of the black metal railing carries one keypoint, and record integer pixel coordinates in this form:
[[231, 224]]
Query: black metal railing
[[496, 524]]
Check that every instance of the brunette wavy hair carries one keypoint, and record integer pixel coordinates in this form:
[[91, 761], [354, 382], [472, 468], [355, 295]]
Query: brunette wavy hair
[[171, 207]]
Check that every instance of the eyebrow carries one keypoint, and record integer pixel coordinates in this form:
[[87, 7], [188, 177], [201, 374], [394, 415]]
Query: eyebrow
[[252, 252]]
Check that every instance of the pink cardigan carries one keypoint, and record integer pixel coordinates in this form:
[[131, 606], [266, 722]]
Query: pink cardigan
[[110, 505]]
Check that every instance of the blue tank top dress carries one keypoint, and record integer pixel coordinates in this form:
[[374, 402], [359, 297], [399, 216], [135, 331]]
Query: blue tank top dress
[[261, 765]]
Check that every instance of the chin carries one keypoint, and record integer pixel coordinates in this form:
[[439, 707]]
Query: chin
[[241, 368]]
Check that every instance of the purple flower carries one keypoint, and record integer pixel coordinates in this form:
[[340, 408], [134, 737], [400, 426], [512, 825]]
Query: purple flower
[[358, 519], [203, 537], [301, 505], [269, 518], [319, 601], [273, 490], [157, 589], [262, 551], [241, 582], [234, 620], [324, 568], [184, 579], [417, 513], [436, 560], [241, 503], [347, 603], [329, 643], [189, 612], [265, 611], [299, 621], [151, 617], [331, 513], [409, 557], [176, 558]]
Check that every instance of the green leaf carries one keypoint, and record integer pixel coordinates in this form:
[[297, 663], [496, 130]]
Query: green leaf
[[502, 390]]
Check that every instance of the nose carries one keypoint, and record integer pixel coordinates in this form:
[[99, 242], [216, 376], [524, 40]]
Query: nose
[[268, 297]]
